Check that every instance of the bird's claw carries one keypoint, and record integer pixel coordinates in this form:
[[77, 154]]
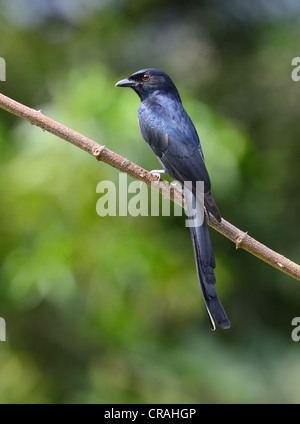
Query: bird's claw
[[157, 172]]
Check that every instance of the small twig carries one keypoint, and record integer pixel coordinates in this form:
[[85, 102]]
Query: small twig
[[101, 153]]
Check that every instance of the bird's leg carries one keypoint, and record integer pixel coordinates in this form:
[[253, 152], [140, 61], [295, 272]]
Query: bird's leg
[[157, 172]]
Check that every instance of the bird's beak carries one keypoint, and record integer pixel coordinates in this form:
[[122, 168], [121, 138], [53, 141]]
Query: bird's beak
[[125, 83]]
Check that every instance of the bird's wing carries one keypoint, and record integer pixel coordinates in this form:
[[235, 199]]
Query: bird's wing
[[168, 129], [171, 134]]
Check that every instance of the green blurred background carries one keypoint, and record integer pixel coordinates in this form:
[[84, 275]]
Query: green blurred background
[[109, 309]]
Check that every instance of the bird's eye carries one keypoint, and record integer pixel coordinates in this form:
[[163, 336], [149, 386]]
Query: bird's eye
[[145, 77]]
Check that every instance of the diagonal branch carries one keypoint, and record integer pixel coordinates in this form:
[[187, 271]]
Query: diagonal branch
[[102, 153]]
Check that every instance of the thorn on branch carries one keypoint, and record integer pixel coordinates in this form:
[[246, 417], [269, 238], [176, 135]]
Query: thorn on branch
[[97, 151], [239, 240]]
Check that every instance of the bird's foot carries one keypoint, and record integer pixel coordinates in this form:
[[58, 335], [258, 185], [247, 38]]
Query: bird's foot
[[157, 172]]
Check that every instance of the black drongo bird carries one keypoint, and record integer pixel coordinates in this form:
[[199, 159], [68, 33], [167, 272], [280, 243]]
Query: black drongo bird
[[167, 128]]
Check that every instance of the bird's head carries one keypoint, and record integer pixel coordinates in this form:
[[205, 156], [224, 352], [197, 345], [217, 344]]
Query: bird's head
[[150, 81]]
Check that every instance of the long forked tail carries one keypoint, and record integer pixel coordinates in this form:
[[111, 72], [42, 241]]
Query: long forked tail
[[205, 262]]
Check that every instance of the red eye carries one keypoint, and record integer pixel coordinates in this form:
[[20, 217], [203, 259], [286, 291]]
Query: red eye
[[146, 77]]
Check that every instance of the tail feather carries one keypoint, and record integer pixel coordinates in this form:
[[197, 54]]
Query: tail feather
[[205, 263]]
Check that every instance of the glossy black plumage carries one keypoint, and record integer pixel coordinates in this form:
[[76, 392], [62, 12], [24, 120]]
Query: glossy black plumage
[[167, 128]]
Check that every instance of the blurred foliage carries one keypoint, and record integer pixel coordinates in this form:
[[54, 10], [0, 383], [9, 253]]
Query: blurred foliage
[[109, 309]]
